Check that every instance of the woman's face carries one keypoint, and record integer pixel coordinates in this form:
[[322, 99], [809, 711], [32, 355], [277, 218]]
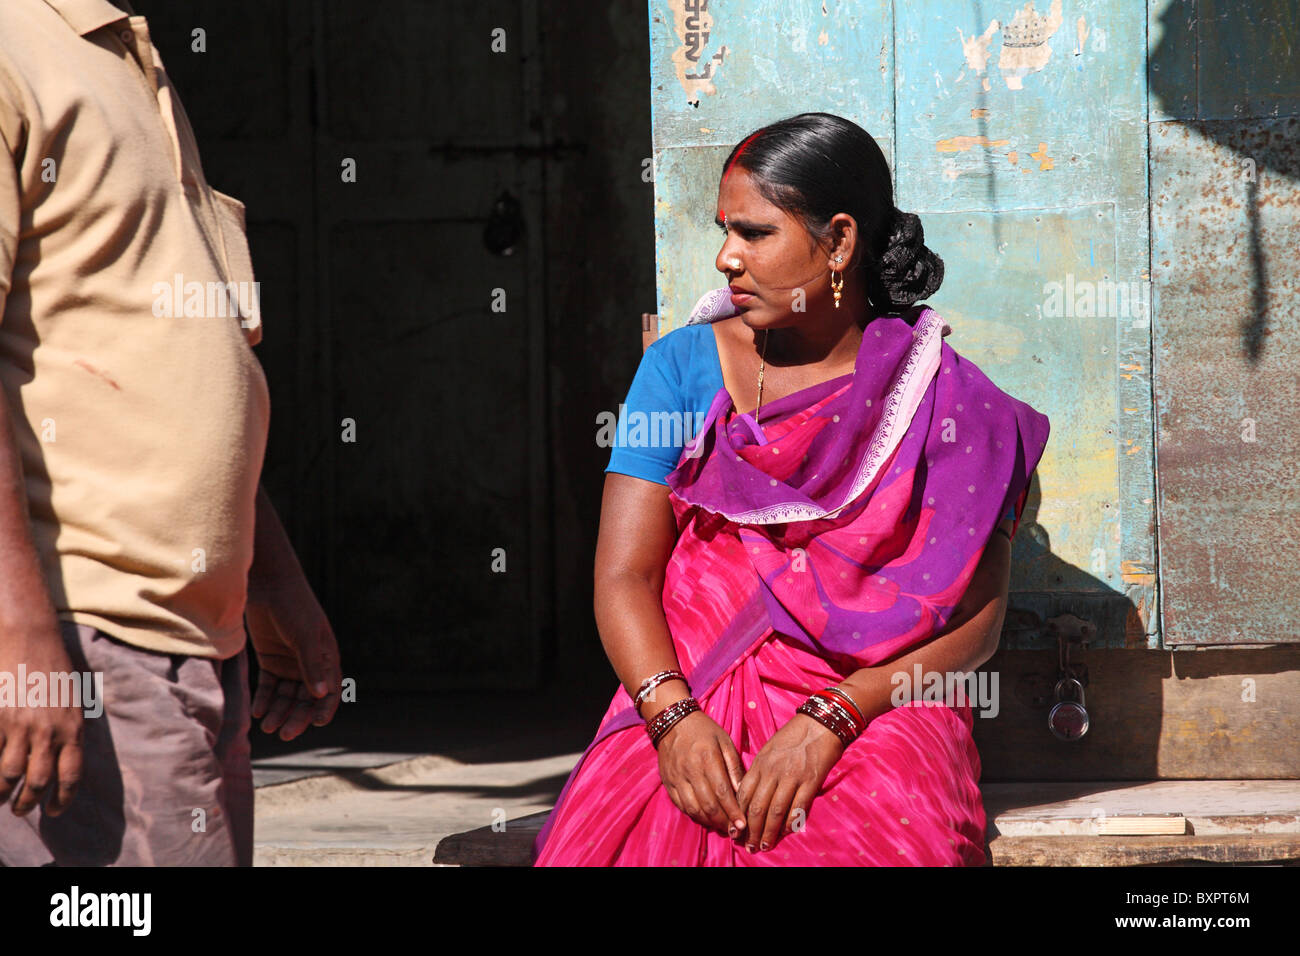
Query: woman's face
[[769, 257]]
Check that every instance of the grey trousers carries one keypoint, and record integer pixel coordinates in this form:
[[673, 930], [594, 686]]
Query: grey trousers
[[166, 779]]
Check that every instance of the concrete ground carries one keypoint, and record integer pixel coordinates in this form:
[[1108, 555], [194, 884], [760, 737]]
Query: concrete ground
[[387, 781], [449, 765]]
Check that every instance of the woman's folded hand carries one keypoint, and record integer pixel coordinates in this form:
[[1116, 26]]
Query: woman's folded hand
[[701, 769], [777, 791]]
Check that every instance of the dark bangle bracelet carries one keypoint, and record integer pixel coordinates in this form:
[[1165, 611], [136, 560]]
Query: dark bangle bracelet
[[829, 711], [647, 688], [666, 719]]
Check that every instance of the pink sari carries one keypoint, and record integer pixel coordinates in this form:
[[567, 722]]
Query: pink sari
[[836, 533]]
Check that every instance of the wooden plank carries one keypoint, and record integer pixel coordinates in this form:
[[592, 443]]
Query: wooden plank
[[1283, 849], [1068, 544], [488, 847], [1084, 808], [1213, 713], [485, 846]]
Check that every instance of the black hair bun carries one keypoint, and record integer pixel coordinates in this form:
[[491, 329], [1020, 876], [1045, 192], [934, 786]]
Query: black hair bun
[[909, 270]]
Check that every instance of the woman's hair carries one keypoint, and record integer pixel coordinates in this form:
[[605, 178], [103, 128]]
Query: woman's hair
[[815, 165]]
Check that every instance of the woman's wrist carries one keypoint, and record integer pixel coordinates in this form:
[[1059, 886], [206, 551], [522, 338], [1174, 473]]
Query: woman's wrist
[[837, 712], [821, 733], [667, 719], [667, 693]]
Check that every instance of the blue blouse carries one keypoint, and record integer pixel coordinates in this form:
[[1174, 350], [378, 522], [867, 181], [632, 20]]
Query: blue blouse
[[679, 375], [670, 394]]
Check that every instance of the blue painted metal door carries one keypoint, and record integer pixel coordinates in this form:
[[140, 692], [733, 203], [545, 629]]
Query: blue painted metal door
[[1024, 138]]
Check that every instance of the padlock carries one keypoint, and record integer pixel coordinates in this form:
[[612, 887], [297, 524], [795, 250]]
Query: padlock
[[1068, 719]]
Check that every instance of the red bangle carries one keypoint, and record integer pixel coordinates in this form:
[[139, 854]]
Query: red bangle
[[830, 711], [851, 705]]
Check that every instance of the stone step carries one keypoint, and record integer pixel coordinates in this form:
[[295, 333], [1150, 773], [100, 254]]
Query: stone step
[[436, 810]]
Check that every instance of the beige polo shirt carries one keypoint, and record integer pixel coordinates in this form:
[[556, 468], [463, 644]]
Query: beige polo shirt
[[139, 408]]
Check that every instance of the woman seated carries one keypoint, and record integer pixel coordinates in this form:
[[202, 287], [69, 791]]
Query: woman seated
[[759, 587]]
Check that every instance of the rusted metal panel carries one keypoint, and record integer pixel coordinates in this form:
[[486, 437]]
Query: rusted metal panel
[[1225, 229], [1224, 167], [1211, 59]]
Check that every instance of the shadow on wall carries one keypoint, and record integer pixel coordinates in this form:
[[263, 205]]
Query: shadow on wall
[[1215, 75]]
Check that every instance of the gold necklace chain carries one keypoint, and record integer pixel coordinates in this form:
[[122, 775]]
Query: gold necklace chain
[[762, 364]]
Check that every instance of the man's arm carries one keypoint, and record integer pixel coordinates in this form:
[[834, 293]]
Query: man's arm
[[41, 746], [300, 679], [275, 569]]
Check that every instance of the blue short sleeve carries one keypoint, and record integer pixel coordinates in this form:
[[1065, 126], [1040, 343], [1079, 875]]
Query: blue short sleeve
[[667, 404]]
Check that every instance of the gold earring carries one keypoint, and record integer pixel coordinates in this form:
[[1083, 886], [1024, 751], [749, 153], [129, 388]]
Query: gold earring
[[836, 288]]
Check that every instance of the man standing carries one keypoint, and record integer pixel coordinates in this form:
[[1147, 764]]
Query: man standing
[[134, 535]]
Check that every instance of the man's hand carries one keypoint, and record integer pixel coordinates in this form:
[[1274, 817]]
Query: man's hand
[[41, 746], [300, 679], [777, 790]]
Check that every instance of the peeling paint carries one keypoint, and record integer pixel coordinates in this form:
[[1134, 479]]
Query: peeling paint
[[1088, 218], [1134, 573], [823, 38], [693, 23], [961, 143], [1081, 29], [976, 49], [1025, 48]]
